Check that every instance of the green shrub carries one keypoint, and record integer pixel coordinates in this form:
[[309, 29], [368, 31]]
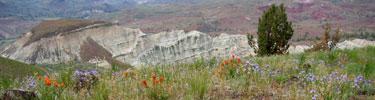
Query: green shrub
[[274, 32]]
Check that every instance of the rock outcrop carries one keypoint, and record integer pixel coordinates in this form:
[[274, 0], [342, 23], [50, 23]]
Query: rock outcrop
[[131, 46], [117, 44]]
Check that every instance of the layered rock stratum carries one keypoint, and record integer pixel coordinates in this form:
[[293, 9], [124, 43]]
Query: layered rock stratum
[[104, 45], [110, 44]]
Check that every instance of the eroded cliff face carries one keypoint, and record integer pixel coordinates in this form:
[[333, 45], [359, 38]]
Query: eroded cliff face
[[126, 45], [114, 44]]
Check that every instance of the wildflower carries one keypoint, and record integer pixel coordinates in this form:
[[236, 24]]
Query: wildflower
[[62, 84], [114, 74], [232, 64], [231, 60], [222, 68], [356, 85], [161, 79], [55, 83], [339, 92], [210, 73], [154, 77], [238, 70], [39, 77], [246, 62], [312, 91], [315, 96], [32, 84], [232, 55], [226, 62], [145, 83], [248, 72], [226, 70], [126, 73], [186, 85], [239, 60], [267, 66], [133, 73], [156, 81], [171, 91], [222, 64], [219, 72], [47, 81]]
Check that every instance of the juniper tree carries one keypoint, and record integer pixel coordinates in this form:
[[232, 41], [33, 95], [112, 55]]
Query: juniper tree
[[274, 31]]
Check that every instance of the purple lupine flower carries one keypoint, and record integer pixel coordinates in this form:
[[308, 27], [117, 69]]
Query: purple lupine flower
[[116, 73], [356, 85], [339, 92], [278, 71], [76, 73], [323, 78], [267, 66], [251, 64], [312, 91], [321, 61], [96, 74], [359, 78], [302, 72], [237, 70], [186, 85], [210, 73], [22, 83], [315, 96]]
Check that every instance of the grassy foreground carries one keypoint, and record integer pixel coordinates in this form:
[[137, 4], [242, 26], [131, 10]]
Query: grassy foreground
[[331, 75]]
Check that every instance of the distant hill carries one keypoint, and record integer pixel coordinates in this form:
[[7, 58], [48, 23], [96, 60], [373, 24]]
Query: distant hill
[[14, 69], [241, 16]]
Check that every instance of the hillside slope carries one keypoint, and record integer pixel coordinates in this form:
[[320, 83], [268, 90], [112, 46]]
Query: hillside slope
[[14, 69], [241, 16]]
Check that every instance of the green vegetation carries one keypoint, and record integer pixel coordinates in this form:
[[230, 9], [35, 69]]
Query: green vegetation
[[274, 32], [13, 69], [49, 28], [337, 74]]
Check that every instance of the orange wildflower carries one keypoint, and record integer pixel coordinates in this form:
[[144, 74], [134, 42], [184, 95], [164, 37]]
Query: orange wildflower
[[232, 64], [219, 72], [171, 91], [47, 81], [222, 68], [62, 84], [226, 62], [39, 77], [161, 79], [232, 55], [222, 64], [55, 83], [239, 60], [230, 59], [133, 73], [126, 73], [154, 77], [245, 63], [144, 83], [156, 81], [226, 70]]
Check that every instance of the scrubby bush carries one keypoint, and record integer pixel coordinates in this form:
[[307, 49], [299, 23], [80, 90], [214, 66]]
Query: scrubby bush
[[326, 44]]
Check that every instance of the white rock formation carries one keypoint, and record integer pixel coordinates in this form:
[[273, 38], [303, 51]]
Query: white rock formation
[[133, 47], [127, 45]]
